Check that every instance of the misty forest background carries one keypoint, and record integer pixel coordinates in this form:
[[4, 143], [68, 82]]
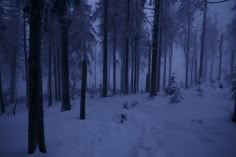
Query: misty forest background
[[59, 50]]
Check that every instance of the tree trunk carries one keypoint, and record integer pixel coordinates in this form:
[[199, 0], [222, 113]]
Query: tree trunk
[[114, 61], [55, 76], [220, 62], [165, 61], [127, 51], [149, 70], [234, 114], [232, 63], [83, 89], [187, 55], [105, 48], [153, 91], [49, 64], [59, 78], [1, 93], [64, 65], [202, 43], [170, 59], [212, 67], [26, 61], [159, 38], [13, 79], [36, 124]]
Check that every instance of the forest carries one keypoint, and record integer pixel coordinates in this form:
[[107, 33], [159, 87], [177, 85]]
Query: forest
[[120, 78]]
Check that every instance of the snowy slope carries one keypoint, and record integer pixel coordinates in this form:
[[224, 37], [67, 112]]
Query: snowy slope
[[197, 127]]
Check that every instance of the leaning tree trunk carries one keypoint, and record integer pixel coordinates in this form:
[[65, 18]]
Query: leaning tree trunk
[[1, 93], [105, 49], [64, 21], [83, 89], [155, 43], [36, 124]]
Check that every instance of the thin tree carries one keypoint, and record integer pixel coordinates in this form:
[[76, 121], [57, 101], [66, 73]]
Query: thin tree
[[126, 87], [105, 48], [35, 123], [220, 58], [1, 93], [83, 89]]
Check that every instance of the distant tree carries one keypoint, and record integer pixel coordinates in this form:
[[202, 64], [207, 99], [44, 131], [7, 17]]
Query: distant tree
[[35, 123]]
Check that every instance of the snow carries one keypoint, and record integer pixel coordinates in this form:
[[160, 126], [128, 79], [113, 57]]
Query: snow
[[198, 126]]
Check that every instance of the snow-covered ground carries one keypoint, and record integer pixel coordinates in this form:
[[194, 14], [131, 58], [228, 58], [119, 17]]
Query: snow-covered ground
[[196, 127]]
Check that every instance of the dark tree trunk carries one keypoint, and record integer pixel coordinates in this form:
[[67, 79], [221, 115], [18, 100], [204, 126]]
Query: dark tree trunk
[[83, 89], [170, 59], [187, 55], [159, 38], [49, 64], [64, 66], [59, 88], [55, 76], [195, 60], [234, 114], [153, 91], [114, 61], [232, 62], [202, 43], [36, 124], [1, 93], [220, 62], [148, 83], [105, 48], [26, 62], [13, 79], [127, 51], [165, 61], [212, 67]]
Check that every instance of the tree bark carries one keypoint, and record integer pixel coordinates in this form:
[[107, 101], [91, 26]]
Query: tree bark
[[202, 43], [83, 89], [232, 62], [1, 93], [127, 51], [170, 59], [165, 62], [114, 60], [49, 64], [105, 48], [26, 61], [13, 79], [59, 78], [220, 61], [36, 124], [153, 91]]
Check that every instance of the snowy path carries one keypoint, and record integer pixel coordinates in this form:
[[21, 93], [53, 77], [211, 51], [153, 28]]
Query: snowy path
[[154, 128]]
